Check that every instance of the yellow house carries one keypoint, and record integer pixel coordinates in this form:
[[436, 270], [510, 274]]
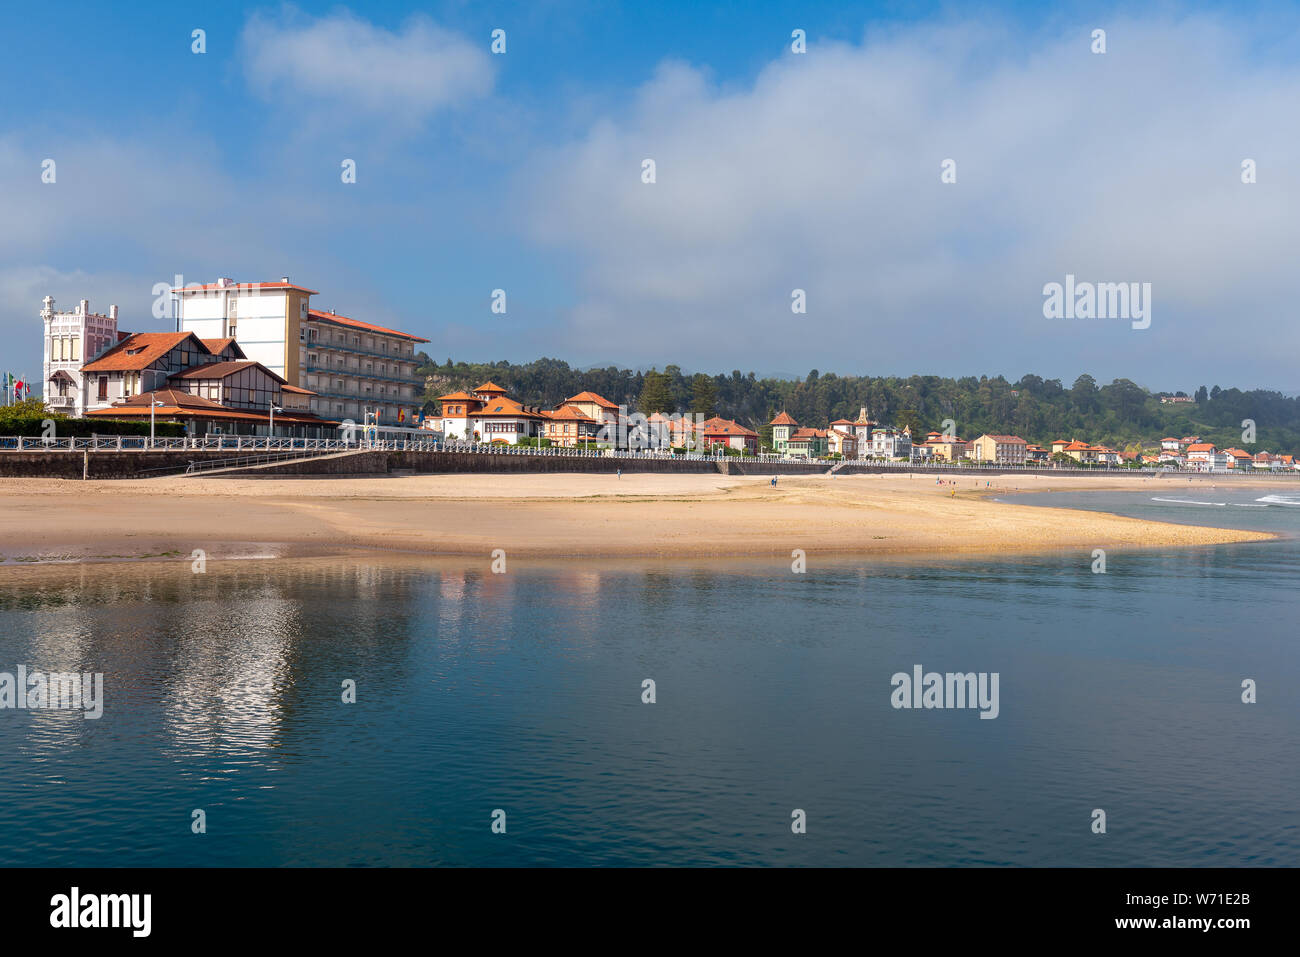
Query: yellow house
[[1000, 449]]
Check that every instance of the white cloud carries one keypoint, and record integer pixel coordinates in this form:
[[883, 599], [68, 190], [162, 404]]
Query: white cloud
[[823, 174], [341, 59]]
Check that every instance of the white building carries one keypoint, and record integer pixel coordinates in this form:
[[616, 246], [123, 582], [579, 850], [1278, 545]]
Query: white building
[[353, 367], [71, 340], [890, 443]]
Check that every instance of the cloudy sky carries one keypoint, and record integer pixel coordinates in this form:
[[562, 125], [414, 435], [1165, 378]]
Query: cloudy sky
[[774, 171]]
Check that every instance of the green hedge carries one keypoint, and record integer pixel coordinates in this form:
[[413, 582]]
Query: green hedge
[[33, 426]]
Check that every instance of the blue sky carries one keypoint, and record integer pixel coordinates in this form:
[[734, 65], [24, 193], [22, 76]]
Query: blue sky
[[775, 171]]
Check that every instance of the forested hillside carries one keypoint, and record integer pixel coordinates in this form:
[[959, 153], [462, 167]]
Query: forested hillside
[[1120, 414]]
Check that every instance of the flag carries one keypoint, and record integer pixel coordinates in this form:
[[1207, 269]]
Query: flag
[[401, 415]]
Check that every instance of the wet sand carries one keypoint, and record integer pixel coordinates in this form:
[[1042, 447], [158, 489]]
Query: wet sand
[[562, 515]]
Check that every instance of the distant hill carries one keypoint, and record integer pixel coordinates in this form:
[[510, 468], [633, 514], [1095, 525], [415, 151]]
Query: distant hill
[[1121, 414]]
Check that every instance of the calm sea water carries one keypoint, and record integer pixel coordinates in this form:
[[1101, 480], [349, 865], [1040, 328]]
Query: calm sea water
[[523, 692]]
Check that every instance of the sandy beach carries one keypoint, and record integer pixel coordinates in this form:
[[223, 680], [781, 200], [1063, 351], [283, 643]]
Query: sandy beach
[[560, 515]]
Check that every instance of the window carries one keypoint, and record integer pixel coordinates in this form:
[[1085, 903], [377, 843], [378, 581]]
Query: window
[[76, 350], [103, 388]]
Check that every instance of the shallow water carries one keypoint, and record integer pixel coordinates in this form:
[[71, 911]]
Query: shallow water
[[522, 692]]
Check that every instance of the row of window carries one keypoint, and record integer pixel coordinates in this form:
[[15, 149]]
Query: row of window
[[67, 348], [381, 369], [317, 384], [311, 334]]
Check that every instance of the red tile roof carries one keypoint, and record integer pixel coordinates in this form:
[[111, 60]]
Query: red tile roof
[[217, 346], [568, 413], [720, 426], [219, 370], [599, 400], [783, 419], [140, 350], [503, 406], [321, 316], [179, 404], [490, 386]]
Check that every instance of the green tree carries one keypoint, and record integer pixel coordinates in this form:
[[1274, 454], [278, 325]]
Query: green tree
[[704, 395], [656, 396]]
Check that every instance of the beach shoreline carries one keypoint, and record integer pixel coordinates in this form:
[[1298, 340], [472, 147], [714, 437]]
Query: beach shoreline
[[561, 515]]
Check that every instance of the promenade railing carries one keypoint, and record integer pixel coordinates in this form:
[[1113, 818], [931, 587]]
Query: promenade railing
[[267, 444]]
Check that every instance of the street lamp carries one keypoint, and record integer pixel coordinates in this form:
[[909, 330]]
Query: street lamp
[[271, 428], [153, 404]]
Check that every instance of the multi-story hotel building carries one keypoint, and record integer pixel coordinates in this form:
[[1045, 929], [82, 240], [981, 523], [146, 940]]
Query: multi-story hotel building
[[353, 367]]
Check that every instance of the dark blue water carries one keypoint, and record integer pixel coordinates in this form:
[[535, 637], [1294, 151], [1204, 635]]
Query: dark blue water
[[523, 692]]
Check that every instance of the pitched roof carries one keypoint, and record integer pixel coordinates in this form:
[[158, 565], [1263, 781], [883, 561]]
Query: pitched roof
[[720, 426], [323, 316], [783, 419], [178, 403], [503, 406], [568, 413], [219, 370], [1201, 447], [217, 346], [139, 351], [1006, 439], [489, 386], [599, 400], [457, 397], [174, 398]]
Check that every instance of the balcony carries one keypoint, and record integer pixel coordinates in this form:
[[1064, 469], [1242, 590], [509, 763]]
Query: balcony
[[60, 401]]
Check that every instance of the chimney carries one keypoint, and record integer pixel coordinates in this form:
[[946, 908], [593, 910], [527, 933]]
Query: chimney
[[284, 279], [84, 308], [112, 312]]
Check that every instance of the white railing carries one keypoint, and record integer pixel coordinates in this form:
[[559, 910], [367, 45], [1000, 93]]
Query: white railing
[[418, 443], [214, 443]]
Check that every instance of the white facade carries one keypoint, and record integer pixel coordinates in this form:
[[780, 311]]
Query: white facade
[[355, 368], [891, 444], [71, 340], [254, 318]]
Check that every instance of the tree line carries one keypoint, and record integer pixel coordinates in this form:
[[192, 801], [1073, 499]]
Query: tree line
[[1121, 414]]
